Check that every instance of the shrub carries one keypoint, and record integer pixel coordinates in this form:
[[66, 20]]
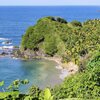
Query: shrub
[[76, 23]]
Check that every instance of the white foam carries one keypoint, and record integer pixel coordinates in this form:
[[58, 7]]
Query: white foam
[[58, 67], [6, 47], [3, 39], [64, 73], [15, 58], [0, 48], [6, 43]]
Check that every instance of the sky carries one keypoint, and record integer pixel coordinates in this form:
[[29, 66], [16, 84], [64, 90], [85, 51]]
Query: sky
[[48, 2]]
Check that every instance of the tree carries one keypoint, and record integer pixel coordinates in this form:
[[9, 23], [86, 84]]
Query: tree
[[50, 45], [76, 23]]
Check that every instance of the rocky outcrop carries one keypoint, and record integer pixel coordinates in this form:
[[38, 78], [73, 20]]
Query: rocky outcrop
[[4, 54], [28, 54]]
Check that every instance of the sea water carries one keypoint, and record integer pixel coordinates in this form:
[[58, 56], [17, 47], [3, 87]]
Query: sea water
[[14, 21]]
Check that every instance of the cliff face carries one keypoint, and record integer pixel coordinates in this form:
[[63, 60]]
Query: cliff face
[[28, 54], [32, 54]]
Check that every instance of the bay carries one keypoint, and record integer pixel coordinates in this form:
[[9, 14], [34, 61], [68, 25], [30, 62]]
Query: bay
[[14, 21]]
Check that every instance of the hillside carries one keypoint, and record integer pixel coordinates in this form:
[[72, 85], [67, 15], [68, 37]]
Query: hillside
[[82, 86], [72, 41]]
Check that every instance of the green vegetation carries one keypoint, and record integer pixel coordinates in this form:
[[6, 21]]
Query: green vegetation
[[9, 95], [82, 86], [74, 41], [12, 91], [76, 23], [54, 36]]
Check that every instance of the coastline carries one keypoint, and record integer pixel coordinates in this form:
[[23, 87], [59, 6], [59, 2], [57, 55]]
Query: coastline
[[67, 69]]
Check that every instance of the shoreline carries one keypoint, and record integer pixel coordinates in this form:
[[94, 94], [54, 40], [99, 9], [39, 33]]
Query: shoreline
[[67, 69]]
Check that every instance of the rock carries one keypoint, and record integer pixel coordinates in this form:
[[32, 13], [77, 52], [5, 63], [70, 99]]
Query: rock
[[4, 54], [7, 42]]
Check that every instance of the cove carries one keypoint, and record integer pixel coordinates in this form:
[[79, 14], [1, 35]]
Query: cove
[[41, 73]]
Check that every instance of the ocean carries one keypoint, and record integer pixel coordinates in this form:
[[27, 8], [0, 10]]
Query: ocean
[[14, 21]]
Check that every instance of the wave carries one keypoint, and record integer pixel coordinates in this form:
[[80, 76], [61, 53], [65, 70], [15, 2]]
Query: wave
[[6, 43], [64, 73], [6, 47], [15, 58], [58, 67], [3, 39]]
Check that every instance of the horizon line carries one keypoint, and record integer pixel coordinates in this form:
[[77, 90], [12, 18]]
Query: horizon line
[[49, 5]]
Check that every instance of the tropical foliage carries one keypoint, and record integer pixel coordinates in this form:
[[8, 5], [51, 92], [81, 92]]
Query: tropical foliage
[[73, 41], [55, 36], [82, 86]]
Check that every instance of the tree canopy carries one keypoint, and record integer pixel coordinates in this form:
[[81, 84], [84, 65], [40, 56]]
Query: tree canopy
[[77, 39]]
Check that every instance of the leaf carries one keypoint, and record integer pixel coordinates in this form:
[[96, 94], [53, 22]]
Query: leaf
[[2, 83], [28, 98], [26, 81], [47, 94]]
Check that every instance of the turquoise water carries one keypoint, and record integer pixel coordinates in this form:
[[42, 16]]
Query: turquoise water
[[42, 73], [13, 23]]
